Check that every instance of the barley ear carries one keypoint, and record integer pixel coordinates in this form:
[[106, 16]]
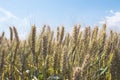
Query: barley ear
[[11, 34], [44, 53]]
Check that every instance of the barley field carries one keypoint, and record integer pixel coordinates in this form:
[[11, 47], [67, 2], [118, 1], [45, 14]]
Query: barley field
[[89, 54]]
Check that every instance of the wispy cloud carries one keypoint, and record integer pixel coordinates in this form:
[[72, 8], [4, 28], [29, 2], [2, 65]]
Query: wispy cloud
[[7, 15], [113, 21], [9, 19]]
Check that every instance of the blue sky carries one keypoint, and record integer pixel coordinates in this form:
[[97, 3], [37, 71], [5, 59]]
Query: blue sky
[[24, 13]]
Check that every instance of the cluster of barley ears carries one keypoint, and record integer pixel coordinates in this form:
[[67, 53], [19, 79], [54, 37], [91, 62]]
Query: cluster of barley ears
[[89, 54]]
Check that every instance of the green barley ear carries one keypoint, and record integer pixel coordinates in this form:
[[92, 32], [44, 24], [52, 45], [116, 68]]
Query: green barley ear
[[64, 61], [78, 28], [44, 53], [75, 34], [22, 65], [11, 34], [58, 34], [93, 39], [33, 43], [103, 32], [67, 39], [2, 63], [17, 40], [14, 55], [33, 39], [55, 62], [87, 34], [61, 35], [94, 34], [48, 29], [16, 34], [1, 37], [43, 29], [44, 47], [111, 35], [102, 36], [33, 48]]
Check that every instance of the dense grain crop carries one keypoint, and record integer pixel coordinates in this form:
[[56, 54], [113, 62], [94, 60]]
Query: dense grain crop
[[89, 54]]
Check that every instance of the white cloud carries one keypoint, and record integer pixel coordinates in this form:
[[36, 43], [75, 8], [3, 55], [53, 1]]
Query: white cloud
[[9, 19], [7, 15], [111, 11], [113, 21]]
